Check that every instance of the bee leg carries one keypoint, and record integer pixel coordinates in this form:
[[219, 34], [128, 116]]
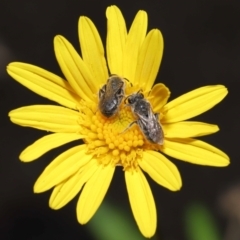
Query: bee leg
[[157, 115], [102, 91], [96, 111], [129, 126], [126, 105]]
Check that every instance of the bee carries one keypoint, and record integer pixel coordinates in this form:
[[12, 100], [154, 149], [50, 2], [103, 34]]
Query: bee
[[111, 95], [147, 120]]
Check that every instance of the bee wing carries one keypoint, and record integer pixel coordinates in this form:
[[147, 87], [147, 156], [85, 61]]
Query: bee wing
[[145, 119], [160, 129], [149, 120], [116, 84], [151, 128], [143, 110]]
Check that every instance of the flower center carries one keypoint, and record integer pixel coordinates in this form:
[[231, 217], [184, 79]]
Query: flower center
[[111, 140]]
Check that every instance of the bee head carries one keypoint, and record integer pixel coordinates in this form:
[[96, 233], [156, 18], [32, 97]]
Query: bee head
[[135, 97]]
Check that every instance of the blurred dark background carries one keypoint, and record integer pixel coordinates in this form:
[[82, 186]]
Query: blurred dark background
[[202, 47]]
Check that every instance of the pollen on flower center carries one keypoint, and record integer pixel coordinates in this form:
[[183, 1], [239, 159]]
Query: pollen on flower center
[[109, 139]]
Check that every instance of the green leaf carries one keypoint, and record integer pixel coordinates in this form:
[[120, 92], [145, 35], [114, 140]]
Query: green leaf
[[110, 223], [200, 224]]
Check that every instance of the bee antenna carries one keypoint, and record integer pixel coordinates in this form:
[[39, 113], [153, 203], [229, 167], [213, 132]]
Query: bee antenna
[[128, 81], [126, 99]]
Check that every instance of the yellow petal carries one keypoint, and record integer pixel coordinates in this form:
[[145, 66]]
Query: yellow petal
[[46, 144], [158, 96], [92, 51], [75, 70], [193, 103], [62, 167], [67, 190], [149, 60], [94, 192], [142, 202], [44, 83], [161, 170], [188, 129], [47, 117], [195, 151], [134, 41], [116, 39]]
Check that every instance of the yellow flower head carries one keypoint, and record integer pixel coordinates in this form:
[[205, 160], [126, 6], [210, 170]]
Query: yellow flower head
[[108, 142]]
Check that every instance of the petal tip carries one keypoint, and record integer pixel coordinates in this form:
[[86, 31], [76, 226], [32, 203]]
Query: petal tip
[[178, 188], [12, 64], [53, 205], [58, 39], [178, 184], [83, 19], [111, 9], [22, 159], [36, 188], [9, 66], [143, 13], [81, 220], [223, 88], [226, 162]]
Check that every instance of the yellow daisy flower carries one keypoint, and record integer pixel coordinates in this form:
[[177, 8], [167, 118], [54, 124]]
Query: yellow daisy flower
[[136, 56]]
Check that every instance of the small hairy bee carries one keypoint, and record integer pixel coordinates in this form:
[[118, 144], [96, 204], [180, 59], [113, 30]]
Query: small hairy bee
[[111, 95], [147, 120]]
